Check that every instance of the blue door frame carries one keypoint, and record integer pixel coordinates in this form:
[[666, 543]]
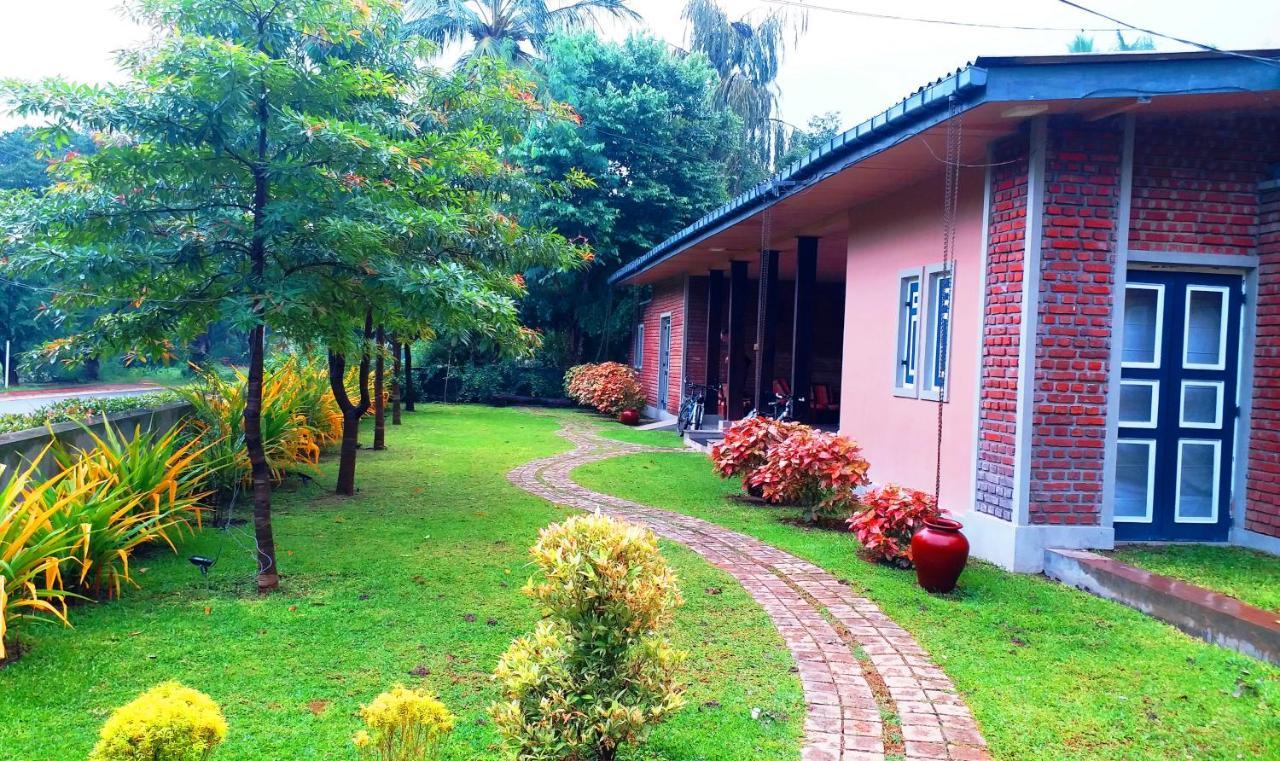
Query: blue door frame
[[1178, 406]]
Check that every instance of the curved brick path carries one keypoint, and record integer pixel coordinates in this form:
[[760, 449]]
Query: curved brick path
[[869, 688]]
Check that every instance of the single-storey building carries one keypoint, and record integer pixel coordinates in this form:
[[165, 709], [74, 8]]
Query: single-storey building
[[1095, 304]]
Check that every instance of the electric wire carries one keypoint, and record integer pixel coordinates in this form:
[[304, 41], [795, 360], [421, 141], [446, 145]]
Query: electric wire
[[938, 21]]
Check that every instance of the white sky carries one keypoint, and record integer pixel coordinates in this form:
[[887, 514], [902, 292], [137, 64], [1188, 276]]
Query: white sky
[[857, 66]]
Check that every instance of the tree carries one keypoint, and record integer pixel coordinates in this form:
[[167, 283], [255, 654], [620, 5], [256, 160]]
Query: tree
[[822, 129], [266, 163], [747, 55], [1082, 43], [513, 30], [656, 146]]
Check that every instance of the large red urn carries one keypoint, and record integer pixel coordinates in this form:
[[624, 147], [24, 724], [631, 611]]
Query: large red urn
[[629, 417], [939, 552]]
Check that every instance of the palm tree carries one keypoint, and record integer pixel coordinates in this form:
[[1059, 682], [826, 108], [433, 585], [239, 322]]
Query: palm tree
[[747, 56], [513, 30]]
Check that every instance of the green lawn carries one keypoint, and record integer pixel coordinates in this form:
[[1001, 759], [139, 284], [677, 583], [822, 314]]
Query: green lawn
[[417, 581], [1050, 672], [1244, 574]]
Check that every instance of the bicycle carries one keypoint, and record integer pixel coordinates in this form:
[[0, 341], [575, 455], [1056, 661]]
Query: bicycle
[[781, 408], [694, 406]]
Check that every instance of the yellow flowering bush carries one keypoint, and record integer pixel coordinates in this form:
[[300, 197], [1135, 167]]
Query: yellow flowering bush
[[597, 673], [403, 725], [168, 722]]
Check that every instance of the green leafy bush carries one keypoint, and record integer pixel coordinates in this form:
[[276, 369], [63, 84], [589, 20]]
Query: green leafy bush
[[598, 672], [82, 410]]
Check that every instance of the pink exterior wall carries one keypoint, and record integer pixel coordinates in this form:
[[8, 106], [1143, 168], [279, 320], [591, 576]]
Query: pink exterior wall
[[898, 434]]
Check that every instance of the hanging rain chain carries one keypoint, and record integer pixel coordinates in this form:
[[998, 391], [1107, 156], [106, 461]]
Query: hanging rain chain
[[946, 279]]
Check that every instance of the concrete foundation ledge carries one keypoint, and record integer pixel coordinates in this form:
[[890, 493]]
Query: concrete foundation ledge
[[1197, 611]]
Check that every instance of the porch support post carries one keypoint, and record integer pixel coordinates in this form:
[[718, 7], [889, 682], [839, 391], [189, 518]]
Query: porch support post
[[766, 316], [802, 326], [715, 306], [736, 382]]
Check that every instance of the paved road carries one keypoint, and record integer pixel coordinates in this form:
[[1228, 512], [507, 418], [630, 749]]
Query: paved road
[[17, 402]]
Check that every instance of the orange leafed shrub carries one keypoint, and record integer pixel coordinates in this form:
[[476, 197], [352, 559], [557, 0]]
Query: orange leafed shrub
[[818, 471], [888, 517], [746, 443], [609, 387]]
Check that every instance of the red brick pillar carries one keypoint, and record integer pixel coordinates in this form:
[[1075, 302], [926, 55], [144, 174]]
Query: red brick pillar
[[1262, 508], [1074, 331]]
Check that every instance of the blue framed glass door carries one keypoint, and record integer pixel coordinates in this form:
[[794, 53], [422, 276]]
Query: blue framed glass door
[[1179, 370]]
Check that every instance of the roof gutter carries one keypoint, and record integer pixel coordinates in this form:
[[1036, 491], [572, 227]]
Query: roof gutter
[[871, 136]]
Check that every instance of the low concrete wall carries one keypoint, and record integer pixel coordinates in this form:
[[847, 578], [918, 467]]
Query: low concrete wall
[[1199, 612], [19, 448]]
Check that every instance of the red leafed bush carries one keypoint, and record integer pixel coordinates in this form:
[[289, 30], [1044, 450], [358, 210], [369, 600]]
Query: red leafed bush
[[745, 444], [820, 472], [609, 387], [887, 518]]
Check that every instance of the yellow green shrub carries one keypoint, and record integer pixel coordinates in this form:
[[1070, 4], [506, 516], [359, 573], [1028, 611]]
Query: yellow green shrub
[[169, 722], [403, 725], [598, 672]]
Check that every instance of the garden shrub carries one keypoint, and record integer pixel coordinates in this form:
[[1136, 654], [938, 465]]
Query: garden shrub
[[31, 557], [886, 519], [609, 387], [598, 672], [82, 410], [746, 444], [403, 725], [818, 471], [168, 722]]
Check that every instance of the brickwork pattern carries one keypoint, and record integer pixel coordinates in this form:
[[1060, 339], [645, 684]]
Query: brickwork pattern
[[1073, 332], [1262, 506], [855, 664], [668, 296], [1195, 182], [695, 363], [1002, 321]]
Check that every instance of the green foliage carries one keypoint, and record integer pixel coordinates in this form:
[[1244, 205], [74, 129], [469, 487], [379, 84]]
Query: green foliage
[[83, 410], [598, 672], [168, 722], [655, 144], [821, 129]]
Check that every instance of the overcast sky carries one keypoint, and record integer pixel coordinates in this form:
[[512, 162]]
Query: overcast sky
[[850, 64]]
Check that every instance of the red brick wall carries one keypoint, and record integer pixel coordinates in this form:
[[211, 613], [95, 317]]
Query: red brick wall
[[997, 413], [1073, 334], [695, 363], [668, 296], [1262, 509], [1195, 182]]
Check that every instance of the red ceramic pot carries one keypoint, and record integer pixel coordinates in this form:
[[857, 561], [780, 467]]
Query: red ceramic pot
[[939, 552], [629, 417]]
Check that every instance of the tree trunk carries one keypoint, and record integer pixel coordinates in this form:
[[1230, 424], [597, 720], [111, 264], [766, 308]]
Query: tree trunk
[[379, 409], [268, 576], [409, 392], [395, 382], [351, 413]]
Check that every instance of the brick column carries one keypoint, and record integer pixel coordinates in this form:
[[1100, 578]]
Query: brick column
[[1262, 491]]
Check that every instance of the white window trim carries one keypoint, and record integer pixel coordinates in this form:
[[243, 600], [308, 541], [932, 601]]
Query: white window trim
[[1153, 414], [1219, 386], [1223, 321], [924, 372], [907, 390], [1159, 347], [1217, 480], [1150, 444], [637, 338]]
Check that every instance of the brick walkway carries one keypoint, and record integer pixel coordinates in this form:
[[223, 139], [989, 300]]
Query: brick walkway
[[870, 690]]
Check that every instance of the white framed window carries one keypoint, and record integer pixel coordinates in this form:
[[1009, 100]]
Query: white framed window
[[1139, 403], [1143, 325], [1199, 471], [637, 352], [1204, 340], [906, 376], [1201, 404], [937, 341], [1135, 480]]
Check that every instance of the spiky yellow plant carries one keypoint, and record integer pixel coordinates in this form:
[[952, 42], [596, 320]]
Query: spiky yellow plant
[[403, 725], [31, 554], [169, 722]]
